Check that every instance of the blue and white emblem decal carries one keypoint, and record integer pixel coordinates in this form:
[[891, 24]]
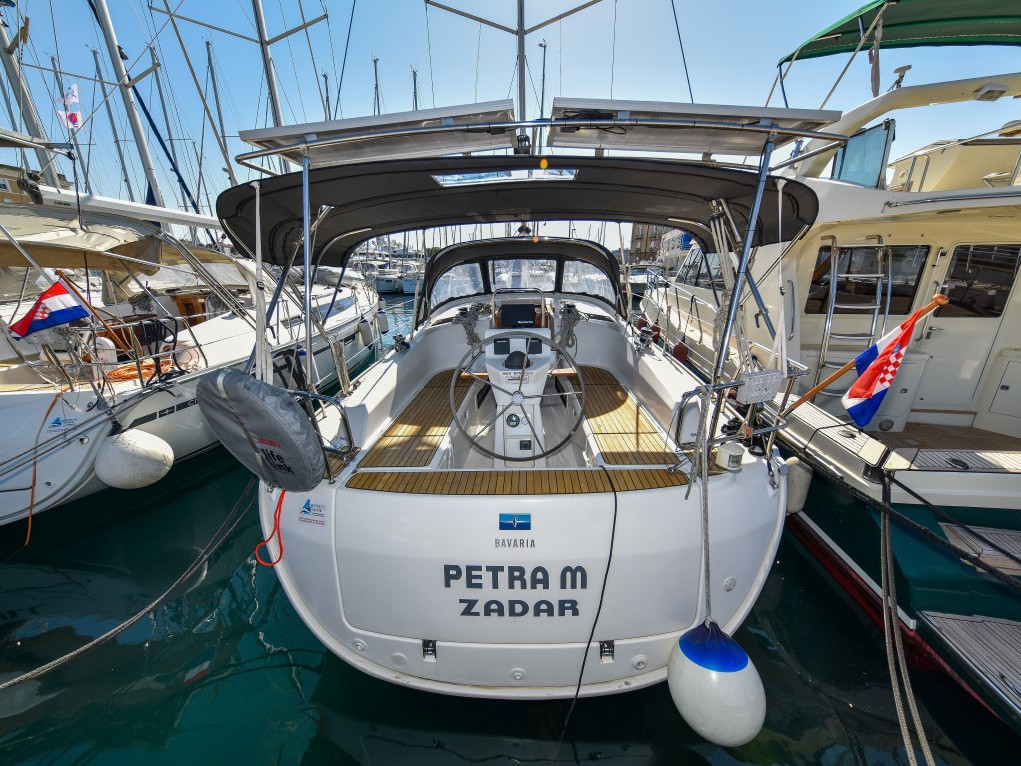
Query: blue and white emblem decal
[[516, 521]]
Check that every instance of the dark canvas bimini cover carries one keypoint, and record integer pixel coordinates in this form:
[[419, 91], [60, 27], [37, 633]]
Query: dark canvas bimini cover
[[364, 200]]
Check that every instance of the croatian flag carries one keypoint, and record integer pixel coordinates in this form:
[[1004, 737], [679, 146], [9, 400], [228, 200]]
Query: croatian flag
[[56, 306], [877, 365]]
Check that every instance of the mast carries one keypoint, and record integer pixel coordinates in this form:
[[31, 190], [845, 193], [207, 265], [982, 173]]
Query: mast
[[113, 127], [542, 91], [216, 97], [123, 84], [520, 33], [267, 64], [264, 44], [14, 119], [414, 89], [25, 104], [166, 122]]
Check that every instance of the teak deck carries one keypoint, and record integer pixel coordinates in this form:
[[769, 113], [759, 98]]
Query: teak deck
[[521, 482], [624, 436], [414, 436]]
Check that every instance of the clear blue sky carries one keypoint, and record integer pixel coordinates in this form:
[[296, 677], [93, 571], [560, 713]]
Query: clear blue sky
[[627, 49]]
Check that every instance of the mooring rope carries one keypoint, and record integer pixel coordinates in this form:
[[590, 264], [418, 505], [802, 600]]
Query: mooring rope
[[468, 319], [219, 537], [895, 658], [569, 318]]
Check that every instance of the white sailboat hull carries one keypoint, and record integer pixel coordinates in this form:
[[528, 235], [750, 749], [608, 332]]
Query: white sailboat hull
[[49, 455]]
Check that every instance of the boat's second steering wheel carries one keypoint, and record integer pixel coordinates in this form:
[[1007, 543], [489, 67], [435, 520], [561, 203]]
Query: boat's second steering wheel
[[568, 369]]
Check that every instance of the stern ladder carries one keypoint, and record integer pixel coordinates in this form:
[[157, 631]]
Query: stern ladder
[[881, 282]]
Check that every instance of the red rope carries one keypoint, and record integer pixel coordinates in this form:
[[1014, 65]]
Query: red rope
[[275, 533]]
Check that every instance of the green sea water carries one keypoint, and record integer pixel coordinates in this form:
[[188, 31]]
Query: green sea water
[[224, 671]]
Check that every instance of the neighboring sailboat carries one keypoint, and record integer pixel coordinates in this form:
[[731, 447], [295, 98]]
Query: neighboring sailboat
[[107, 400]]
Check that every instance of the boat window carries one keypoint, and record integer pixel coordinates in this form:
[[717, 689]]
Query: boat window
[[581, 277], [539, 273], [979, 279], [463, 279], [700, 269], [857, 269], [862, 160], [507, 176]]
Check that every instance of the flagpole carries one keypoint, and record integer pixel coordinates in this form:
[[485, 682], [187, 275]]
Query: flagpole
[[113, 334], [937, 301]]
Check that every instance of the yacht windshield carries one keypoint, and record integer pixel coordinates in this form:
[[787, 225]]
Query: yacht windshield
[[463, 279], [581, 277], [540, 273]]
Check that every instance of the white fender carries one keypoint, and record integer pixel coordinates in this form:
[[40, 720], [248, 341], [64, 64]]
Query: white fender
[[133, 459], [715, 686], [799, 479], [365, 332]]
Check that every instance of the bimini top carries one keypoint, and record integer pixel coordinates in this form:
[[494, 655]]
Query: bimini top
[[359, 201], [603, 284], [915, 23]]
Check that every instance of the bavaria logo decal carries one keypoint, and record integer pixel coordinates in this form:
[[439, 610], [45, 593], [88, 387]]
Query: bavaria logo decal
[[516, 521]]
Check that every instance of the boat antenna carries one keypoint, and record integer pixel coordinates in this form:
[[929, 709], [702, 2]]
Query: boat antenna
[[375, 97], [414, 89]]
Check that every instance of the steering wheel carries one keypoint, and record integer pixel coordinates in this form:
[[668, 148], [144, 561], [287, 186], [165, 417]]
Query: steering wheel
[[517, 397]]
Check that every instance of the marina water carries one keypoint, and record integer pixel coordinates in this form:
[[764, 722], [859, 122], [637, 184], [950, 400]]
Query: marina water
[[225, 671]]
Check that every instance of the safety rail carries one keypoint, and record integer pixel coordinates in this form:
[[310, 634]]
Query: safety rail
[[345, 451]]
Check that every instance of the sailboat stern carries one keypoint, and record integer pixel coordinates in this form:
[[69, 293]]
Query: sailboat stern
[[525, 596]]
